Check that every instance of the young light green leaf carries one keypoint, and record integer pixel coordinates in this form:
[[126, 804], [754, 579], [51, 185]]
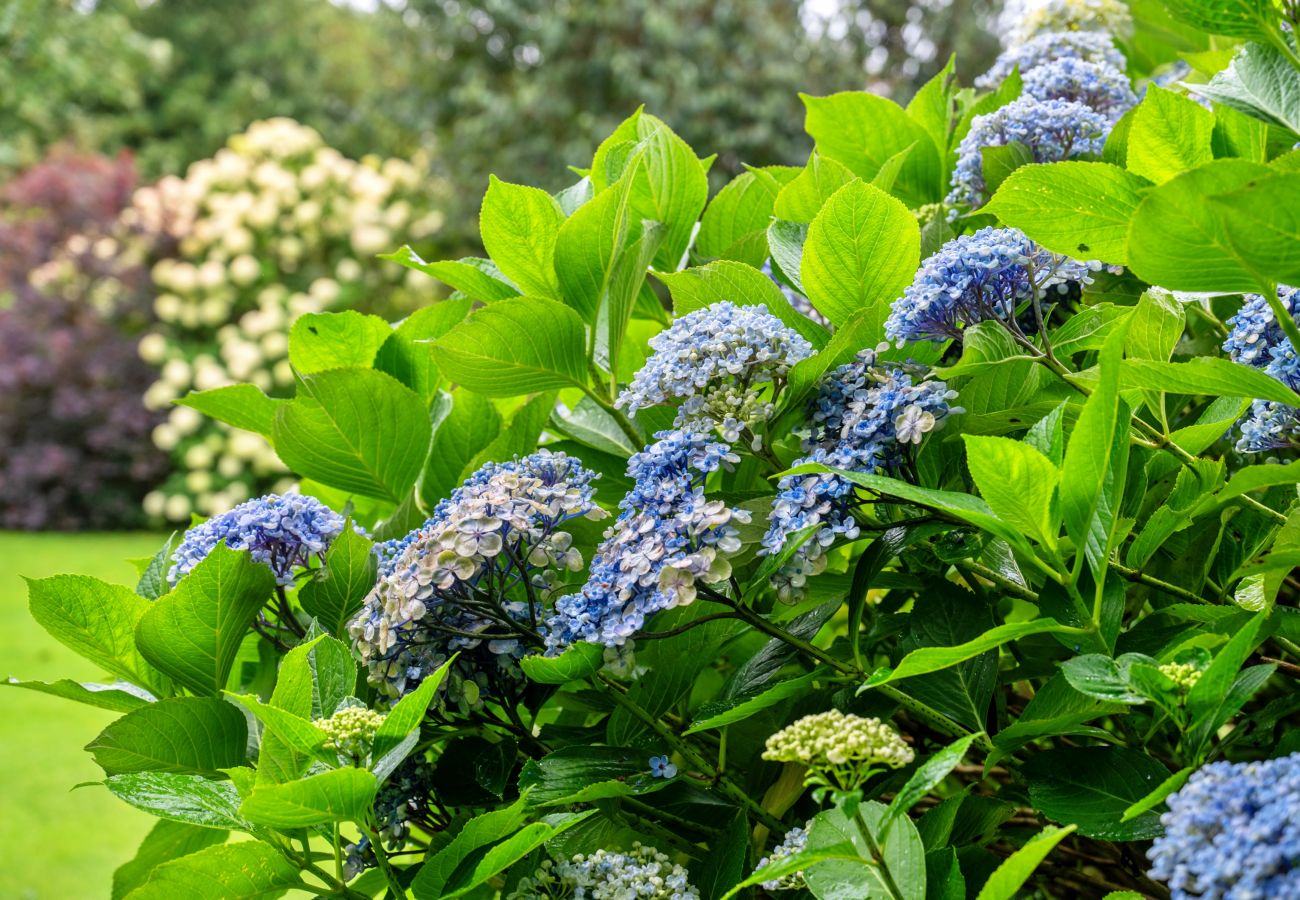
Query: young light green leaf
[[337, 795], [408, 712], [197, 735], [804, 197], [1158, 794], [517, 346], [241, 871], [928, 774], [241, 405], [471, 425], [1250, 19], [335, 592], [786, 240], [1170, 135], [519, 226], [1209, 375], [740, 284], [165, 842], [335, 340], [1019, 483], [357, 430], [120, 696], [478, 279], [192, 634], [734, 225], [406, 354], [576, 662], [1080, 209], [182, 798], [1008, 878], [512, 849], [862, 251], [738, 712], [933, 659], [588, 244], [479, 832]]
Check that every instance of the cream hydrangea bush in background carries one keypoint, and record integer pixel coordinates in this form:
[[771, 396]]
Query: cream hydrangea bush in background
[[277, 224]]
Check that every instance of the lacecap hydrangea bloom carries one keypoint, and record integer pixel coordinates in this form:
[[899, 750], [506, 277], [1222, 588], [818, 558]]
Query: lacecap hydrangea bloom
[[840, 750], [1085, 46], [669, 538], [1034, 17], [977, 277], [712, 361], [1052, 130], [1256, 339], [1233, 833], [865, 418], [642, 872], [795, 841], [1096, 85], [284, 532], [473, 577]]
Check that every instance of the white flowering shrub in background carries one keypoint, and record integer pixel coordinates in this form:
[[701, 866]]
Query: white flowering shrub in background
[[275, 225]]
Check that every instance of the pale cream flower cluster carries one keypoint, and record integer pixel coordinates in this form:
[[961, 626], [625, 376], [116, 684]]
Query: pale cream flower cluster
[[1184, 675], [1029, 18], [274, 226], [351, 731], [840, 750]]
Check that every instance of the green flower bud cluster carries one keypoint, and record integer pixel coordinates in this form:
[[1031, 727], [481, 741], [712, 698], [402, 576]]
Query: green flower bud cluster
[[351, 731], [1185, 675], [840, 750]]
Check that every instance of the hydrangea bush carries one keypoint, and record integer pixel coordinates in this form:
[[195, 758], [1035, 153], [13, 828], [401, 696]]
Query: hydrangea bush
[[276, 226], [618, 574]]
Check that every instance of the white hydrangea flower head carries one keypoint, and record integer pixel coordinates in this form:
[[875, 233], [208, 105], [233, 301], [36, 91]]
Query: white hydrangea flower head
[[839, 750]]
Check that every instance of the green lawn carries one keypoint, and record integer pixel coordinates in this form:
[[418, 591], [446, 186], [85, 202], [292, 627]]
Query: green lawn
[[58, 843]]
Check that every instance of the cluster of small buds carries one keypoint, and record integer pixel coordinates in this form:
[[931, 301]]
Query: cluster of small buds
[[1096, 85], [839, 750], [1184, 675], [351, 732], [795, 841], [642, 872], [978, 277], [1052, 130], [1035, 17], [467, 579], [669, 539], [1256, 339], [662, 767], [1087, 46], [284, 532], [865, 418], [1233, 831], [274, 226], [713, 361]]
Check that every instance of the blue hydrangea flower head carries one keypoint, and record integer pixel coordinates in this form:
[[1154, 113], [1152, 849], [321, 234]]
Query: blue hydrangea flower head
[[795, 841], [865, 418], [1053, 130], [284, 532], [974, 277], [1087, 46], [642, 872], [1254, 334], [713, 361], [668, 539], [1233, 831], [460, 582], [1096, 85]]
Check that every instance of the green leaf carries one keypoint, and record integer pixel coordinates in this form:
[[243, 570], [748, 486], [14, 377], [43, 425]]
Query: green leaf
[[406, 354], [1018, 482], [1103, 678], [335, 340], [727, 860], [863, 131], [670, 186], [1157, 325], [518, 437], [1211, 375], [577, 662], [241, 405], [983, 346], [928, 774], [1001, 161], [120, 696], [338, 795], [407, 713], [315, 678], [785, 240], [901, 849], [519, 227], [1158, 795], [512, 849], [293, 730], [740, 284], [804, 197], [357, 430], [588, 244], [153, 580], [862, 251], [1170, 134], [1091, 787], [192, 799], [96, 620], [166, 841], [734, 225], [1208, 697], [625, 286], [1264, 225], [1075, 208], [242, 871], [589, 772], [1181, 241], [1007, 880], [514, 347], [336, 590], [707, 718], [481, 831], [934, 659], [193, 633], [470, 426], [478, 279], [199, 735], [933, 107], [1260, 81], [1255, 19]]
